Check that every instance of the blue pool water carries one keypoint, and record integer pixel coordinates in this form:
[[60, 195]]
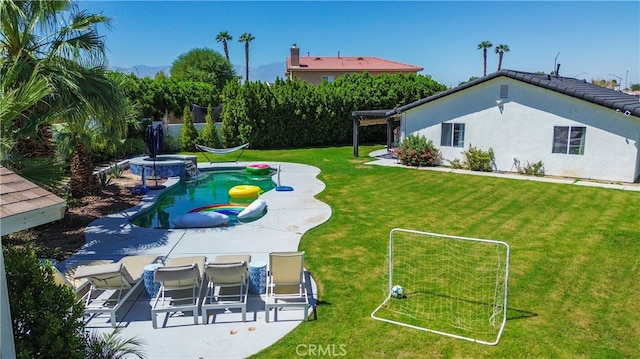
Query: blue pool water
[[211, 188]]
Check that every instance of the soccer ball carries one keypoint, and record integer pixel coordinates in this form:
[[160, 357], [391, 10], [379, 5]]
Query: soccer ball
[[397, 291]]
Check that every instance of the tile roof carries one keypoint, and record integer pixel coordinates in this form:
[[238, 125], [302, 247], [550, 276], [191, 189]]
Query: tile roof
[[342, 63], [20, 197], [626, 104], [581, 89]]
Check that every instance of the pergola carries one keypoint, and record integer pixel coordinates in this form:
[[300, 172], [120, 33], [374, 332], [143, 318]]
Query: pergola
[[370, 118]]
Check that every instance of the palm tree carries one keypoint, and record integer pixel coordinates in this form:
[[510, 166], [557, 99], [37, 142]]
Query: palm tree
[[500, 50], [16, 98], [224, 37], [485, 45], [112, 345], [246, 38], [63, 43]]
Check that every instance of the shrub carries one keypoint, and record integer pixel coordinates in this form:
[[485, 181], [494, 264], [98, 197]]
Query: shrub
[[479, 160], [112, 345], [104, 179], [188, 133], [209, 134], [171, 143], [456, 164], [117, 171], [47, 319], [536, 169], [416, 150]]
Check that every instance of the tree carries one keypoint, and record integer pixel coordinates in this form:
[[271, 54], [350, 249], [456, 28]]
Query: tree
[[203, 65], [16, 98], [188, 133], [46, 317], [224, 37], [209, 134], [63, 43], [500, 50], [484, 46], [472, 78], [246, 38]]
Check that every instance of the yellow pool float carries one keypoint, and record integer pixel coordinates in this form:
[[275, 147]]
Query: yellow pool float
[[245, 191]]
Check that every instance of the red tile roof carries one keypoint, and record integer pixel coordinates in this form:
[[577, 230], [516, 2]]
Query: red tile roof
[[342, 63]]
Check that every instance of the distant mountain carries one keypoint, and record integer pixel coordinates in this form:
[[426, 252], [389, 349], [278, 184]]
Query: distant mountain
[[263, 73], [142, 70]]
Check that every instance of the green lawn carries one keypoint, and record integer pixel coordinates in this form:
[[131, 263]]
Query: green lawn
[[575, 259]]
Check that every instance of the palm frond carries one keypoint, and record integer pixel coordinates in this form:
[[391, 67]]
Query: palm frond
[[112, 345]]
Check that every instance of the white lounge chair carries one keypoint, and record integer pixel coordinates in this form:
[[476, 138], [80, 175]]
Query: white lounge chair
[[286, 285], [112, 284], [227, 288], [180, 287]]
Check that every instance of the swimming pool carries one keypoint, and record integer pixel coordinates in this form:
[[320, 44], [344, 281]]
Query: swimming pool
[[209, 189]]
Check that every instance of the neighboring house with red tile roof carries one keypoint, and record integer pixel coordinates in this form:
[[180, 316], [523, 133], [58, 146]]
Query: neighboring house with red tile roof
[[314, 69]]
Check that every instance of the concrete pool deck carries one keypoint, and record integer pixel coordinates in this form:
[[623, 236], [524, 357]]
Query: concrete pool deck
[[289, 216]]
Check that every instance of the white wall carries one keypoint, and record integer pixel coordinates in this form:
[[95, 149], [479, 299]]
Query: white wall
[[524, 129], [175, 128]]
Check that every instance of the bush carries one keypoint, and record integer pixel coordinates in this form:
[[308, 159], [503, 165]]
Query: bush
[[456, 164], [47, 319], [536, 169], [188, 133], [479, 160], [112, 345], [209, 134], [104, 179], [416, 150], [117, 171], [171, 144]]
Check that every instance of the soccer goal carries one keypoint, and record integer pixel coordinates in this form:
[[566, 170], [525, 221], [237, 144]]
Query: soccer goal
[[448, 285]]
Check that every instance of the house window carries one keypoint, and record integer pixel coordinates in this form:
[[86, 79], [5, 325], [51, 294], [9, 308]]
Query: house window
[[504, 91], [569, 140], [452, 135], [329, 78]]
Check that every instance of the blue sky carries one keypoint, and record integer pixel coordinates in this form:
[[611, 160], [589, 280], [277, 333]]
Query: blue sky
[[592, 40]]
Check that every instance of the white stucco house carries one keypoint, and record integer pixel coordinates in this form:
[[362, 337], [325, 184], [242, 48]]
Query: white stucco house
[[575, 128]]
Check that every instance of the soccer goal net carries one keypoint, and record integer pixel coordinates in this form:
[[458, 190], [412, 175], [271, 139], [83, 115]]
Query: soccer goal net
[[448, 285]]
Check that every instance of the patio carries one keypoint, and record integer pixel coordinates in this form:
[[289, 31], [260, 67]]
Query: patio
[[289, 216]]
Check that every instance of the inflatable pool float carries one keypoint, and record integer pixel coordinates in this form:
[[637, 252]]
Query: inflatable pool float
[[284, 188], [258, 168], [245, 191], [201, 220], [254, 210], [228, 209]]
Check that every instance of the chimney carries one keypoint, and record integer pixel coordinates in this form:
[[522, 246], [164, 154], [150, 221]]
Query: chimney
[[295, 55], [558, 71], [338, 54]]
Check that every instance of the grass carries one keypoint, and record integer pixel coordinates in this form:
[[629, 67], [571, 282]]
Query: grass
[[575, 259]]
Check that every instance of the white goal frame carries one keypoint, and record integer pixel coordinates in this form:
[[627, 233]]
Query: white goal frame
[[502, 265]]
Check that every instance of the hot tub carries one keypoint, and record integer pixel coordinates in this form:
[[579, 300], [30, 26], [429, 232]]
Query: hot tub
[[166, 165]]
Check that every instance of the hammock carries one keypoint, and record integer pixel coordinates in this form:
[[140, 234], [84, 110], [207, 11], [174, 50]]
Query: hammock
[[222, 151]]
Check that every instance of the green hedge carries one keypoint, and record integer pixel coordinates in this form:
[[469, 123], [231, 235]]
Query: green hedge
[[292, 113]]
